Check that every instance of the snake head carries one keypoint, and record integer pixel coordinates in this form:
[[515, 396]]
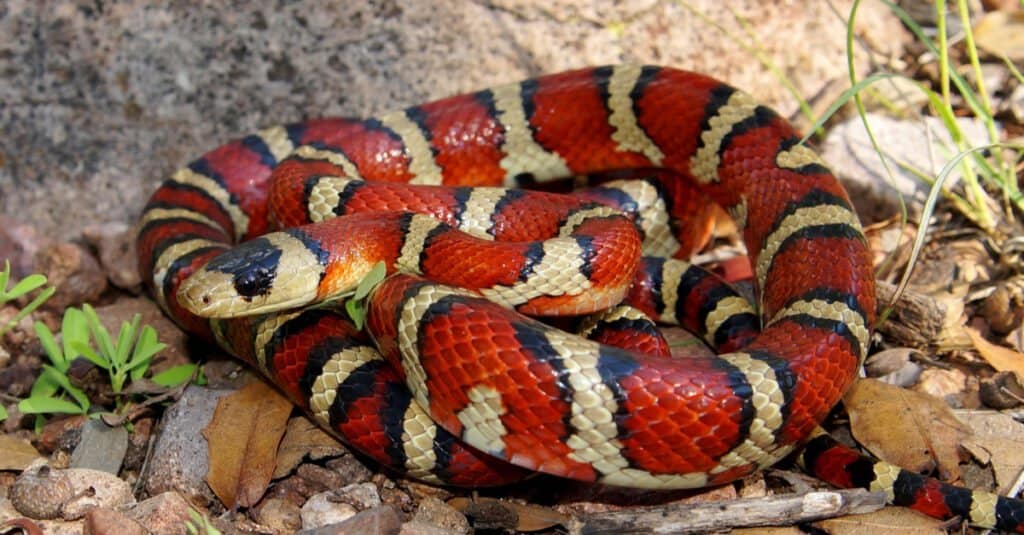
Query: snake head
[[267, 274]]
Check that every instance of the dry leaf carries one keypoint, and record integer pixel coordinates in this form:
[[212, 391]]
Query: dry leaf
[[243, 437], [1002, 439], [16, 453], [302, 438], [1001, 358], [909, 429], [888, 520]]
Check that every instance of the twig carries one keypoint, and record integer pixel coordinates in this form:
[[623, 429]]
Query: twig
[[693, 518]]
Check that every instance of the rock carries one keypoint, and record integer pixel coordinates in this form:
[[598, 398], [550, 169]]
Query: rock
[[106, 521], [323, 509], [280, 515], [918, 142], [179, 461], [115, 244], [91, 131], [41, 493], [360, 495], [94, 488], [383, 520], [19, 243], [434, 512], [350, 468], [10, 517], [45, 493], [101, 447], [73, 271], [62, 433], [163, 513], [400, 499], [320, 478]]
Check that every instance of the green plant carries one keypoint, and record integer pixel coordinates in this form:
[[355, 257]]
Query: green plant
[[356, 304], [198, 524], [994, 168], [128, 358], [125, 360], [51, 392], [22, 287]]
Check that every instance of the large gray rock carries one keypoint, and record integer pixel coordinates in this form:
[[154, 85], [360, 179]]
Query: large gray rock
[[99, 101]]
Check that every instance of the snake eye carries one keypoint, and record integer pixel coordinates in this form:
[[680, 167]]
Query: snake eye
[[253, 282], [251, 265]]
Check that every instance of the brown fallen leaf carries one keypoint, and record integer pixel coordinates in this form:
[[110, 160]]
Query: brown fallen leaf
[[243, 437], [999, 357], [1001, 439], [888, 520], [301, 438], [16, 453], [912, 430]]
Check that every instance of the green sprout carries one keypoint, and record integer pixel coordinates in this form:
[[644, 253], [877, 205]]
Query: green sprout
[[198, 524], [22, 287], [356, 305], [125, 360]]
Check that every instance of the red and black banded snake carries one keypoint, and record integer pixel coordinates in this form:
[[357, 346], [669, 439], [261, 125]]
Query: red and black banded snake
[[450, 381]]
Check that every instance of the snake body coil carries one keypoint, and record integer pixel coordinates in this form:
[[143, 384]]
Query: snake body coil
[[431, 191]]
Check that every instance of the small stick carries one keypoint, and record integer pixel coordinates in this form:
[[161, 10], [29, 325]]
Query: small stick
[[770, 511]]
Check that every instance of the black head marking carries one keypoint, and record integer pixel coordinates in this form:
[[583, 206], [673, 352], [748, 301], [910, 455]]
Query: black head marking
[[252, 265]]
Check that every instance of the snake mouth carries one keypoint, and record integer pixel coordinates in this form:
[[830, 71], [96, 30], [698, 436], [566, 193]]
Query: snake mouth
[[213, 295]]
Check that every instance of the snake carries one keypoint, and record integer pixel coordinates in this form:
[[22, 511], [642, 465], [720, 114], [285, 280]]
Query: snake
[[459, 369]]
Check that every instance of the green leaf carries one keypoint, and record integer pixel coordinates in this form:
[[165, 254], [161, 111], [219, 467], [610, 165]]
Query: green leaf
[[87, 352], [372, 279], [3, 413], [125, 338], [354, 306], [49, 344], [48, 405], [99, 333], [145, 348], [175, 376], [26, 285], [355, 312], [45, 385], [73, 329], [27, 309], [65, 383]]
